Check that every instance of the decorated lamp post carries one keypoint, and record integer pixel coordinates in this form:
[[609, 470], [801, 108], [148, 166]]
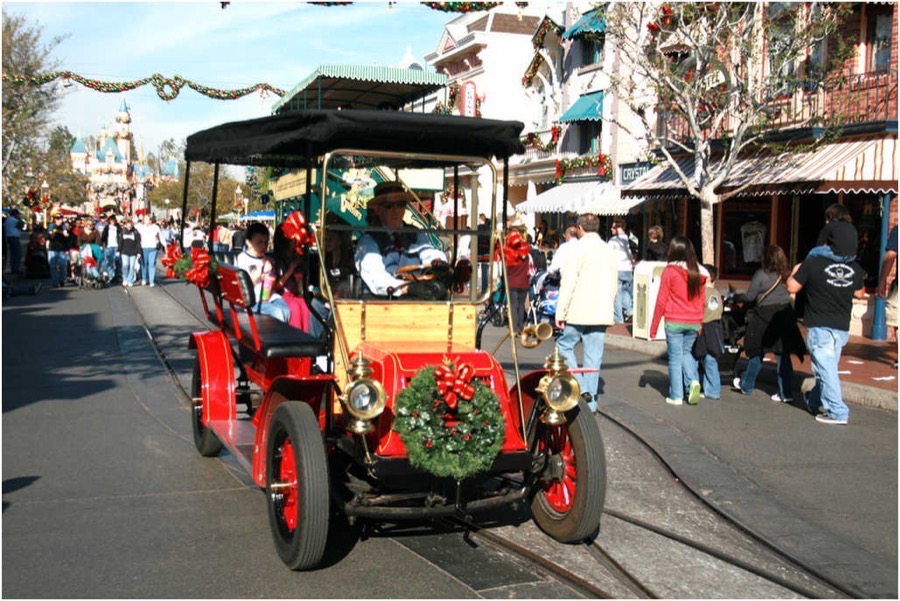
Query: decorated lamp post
[[168, 214], [45, 201]]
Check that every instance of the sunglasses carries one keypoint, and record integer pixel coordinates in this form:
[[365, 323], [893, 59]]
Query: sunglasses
[[397, 204]]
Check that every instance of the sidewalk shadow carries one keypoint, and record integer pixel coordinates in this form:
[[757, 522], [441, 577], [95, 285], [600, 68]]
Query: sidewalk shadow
[[657, 380], [14, 484]]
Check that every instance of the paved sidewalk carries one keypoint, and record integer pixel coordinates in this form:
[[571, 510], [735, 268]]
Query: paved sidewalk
[[867, 367]]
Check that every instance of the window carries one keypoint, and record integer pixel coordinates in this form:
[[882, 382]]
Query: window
[[879, 38], [589, 137], [745, 236], [592, 49]]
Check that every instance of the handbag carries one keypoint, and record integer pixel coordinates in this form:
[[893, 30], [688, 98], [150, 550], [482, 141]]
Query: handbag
[[751, 312]]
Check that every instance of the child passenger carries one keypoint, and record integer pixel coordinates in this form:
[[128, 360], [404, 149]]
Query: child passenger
[[253, 260]]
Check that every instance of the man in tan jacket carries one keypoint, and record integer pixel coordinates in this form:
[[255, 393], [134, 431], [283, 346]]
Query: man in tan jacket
[[584, 309]]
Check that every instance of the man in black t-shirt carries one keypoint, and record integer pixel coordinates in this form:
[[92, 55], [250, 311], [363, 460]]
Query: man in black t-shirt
[[830, 287]]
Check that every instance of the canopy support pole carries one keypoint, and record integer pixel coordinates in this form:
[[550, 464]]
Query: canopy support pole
[[184, 196], [212, 208]]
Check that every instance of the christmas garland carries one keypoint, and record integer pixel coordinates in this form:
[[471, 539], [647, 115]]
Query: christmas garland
[[167, 88], [601, 161], [461, 7], [452, 96], [533, 140], [450, 422]]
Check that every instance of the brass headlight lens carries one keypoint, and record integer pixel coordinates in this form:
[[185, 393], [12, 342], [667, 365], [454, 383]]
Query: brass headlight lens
[[365, 398], [562, 393]]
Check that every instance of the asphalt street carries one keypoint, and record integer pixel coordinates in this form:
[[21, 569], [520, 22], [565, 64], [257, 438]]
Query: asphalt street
[[105, 496]]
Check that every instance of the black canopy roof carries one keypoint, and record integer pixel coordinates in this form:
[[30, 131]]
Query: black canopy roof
[[296, 138]]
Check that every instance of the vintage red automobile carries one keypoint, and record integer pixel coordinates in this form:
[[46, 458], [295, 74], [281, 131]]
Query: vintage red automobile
[[394, 411]]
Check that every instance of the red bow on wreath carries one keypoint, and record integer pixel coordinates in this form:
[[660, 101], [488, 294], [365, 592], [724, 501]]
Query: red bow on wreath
[[173, 254], [140, 212], [294, 228], [515, 250], [199, 273], [455, 383]]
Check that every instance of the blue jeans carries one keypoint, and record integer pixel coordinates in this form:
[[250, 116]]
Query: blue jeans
[[682, 365], [593, 339], [108, 265], [622, 306], [128, 271], [785, 375], [59, 266], [825, 345], [148, 265], [712, 381], [14, 245], [275, 308]]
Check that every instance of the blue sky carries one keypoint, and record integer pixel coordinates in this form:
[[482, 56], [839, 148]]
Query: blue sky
[[244, 44]]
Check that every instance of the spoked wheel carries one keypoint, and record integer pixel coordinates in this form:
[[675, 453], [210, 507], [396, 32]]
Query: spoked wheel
[[569, 499], [297, 486], [205, 440]]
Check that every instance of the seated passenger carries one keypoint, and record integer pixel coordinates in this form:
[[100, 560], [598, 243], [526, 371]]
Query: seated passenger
[[253, 260], [379, 254], [289, 279]]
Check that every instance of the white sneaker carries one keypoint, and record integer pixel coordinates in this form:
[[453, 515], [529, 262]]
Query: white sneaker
[[777, 398], [674, 401], [824, 418]]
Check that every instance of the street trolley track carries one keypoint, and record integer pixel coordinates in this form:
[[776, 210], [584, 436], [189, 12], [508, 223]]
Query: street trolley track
[[782, 555], [602, 556]]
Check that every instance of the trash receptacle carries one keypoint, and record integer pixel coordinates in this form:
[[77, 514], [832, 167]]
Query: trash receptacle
[[647, 276]]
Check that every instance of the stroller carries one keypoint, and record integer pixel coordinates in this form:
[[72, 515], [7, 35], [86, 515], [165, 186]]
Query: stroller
[[495, 310], [543, 293], [734, 325], [86, 268], [36, 264]]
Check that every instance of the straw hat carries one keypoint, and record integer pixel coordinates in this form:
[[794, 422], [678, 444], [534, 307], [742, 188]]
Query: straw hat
[[390, 191]]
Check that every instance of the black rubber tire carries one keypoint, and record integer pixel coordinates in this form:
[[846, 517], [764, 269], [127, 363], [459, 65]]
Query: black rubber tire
[[583, 517], [206, 441], [302, 547]]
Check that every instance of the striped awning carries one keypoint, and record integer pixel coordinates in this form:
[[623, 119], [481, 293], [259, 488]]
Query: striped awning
[[852, 166], [594, 197], [588, 107], [360, 87], [590, 22]]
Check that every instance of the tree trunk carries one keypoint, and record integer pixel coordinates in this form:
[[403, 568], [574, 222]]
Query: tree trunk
[[708, 200]]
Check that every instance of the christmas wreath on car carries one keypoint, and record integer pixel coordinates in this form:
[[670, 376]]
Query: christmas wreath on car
[[450, 422]]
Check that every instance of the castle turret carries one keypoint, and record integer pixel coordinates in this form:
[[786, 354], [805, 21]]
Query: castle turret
[[123, 131]]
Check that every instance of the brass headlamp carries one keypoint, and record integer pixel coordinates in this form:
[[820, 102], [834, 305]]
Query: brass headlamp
[[559, 388], [364, 398]]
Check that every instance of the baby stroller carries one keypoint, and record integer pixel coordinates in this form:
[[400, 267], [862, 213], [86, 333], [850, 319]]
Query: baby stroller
[[495, 310], [87, 272], [36, 264], [543, 293], [734, 325]]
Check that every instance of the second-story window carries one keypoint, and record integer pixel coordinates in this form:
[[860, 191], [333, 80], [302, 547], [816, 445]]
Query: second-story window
[[592, 49], [879, 38], [589, 137]]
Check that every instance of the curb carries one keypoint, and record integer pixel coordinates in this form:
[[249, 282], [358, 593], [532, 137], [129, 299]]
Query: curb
[[856, 394]]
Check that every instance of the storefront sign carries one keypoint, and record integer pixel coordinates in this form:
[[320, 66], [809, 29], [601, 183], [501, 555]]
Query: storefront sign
[[468, 90], [631, 172]]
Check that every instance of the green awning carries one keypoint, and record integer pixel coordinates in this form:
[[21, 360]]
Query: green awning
[[590, 22], [588, 107], [360, 87]]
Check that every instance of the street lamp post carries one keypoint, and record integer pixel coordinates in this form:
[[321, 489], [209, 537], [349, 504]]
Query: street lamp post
[[168, 214], [45, 201]]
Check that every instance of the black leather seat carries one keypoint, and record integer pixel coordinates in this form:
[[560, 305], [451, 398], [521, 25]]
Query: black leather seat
[[277, 339]]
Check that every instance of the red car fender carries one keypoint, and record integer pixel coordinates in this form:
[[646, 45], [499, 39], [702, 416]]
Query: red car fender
[[311, 390], [217, 388], [529, 383]]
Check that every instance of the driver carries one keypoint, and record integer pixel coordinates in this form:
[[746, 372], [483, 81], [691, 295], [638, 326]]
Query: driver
[[379, 254]]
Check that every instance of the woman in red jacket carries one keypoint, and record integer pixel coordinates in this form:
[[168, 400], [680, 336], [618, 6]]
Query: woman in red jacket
[[681, 302]]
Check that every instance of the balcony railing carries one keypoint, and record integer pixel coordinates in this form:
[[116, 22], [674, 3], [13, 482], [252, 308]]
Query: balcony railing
[[869, 98], [540, 146]]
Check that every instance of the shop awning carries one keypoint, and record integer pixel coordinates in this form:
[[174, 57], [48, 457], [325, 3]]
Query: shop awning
[[590, 22], [598, 198], [851, 166], [589, 107]]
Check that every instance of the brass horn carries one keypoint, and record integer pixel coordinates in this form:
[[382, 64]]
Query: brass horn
[[532, 335]]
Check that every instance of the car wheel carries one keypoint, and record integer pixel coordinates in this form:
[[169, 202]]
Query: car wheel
[[297, 484], [570, 493], [206, 441]]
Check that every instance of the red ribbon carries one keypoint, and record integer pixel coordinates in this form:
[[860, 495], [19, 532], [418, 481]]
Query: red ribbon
[[455, 383], [295, 229], [199, 273], [173, 254], [515, 250]]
